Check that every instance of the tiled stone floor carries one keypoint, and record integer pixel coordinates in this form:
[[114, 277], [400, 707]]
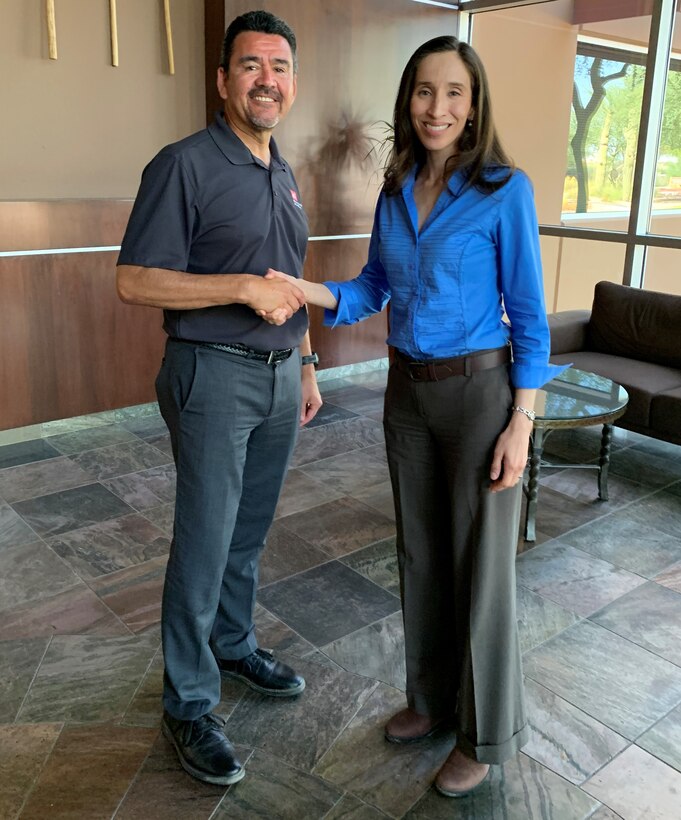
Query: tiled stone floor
[[85, 521]]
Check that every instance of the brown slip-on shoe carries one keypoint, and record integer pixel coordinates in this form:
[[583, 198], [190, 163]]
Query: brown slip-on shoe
[[460, 775], [408, 726]]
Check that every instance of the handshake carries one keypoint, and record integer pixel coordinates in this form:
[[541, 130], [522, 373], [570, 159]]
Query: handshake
[[276, 296]]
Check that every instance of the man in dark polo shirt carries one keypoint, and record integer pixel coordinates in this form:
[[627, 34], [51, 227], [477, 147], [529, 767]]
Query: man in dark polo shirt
[[214, 212]]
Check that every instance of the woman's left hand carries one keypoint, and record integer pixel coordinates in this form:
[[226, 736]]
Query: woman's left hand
[[510, 454]]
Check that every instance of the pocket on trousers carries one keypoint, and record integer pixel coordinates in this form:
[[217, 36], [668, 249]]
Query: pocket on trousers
[[189, 383]]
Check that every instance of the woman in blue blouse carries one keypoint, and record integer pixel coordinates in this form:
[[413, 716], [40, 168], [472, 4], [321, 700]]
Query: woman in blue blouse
[[455, 246]]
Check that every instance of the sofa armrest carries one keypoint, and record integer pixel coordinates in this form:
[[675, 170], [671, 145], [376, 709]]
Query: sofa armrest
[[568, 330]]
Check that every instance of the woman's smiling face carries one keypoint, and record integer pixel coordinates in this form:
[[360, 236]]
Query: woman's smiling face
[[441, 102]]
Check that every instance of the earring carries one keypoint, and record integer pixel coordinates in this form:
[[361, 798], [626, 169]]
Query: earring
[[469, 123]]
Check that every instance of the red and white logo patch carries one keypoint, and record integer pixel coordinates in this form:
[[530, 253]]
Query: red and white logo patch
[[294, 197]]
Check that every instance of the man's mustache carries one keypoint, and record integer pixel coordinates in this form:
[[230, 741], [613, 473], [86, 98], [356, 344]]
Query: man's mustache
[[264, 91]]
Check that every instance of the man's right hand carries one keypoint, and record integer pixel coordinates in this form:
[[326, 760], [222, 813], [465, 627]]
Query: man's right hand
[[274, 297]]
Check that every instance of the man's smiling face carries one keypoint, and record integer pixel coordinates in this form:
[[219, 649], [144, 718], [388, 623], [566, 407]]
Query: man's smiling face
[[260, 86]]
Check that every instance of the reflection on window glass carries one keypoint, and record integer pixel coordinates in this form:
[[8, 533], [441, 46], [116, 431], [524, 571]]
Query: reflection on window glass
[[606, 110]]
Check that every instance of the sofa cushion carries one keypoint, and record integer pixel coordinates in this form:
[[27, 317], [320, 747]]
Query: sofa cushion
[[635, 323], [642, 380], [568, 330], [665, 414]]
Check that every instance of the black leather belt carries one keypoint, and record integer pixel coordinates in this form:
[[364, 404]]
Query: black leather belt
[[269, 356], [439, 369]]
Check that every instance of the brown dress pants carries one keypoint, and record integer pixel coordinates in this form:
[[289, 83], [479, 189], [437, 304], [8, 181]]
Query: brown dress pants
[[456, 545]]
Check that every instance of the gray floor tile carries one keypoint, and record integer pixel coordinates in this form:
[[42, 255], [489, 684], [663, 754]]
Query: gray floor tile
[[330, 413], [573, 579], [300, 730], [277, 791], [119, 459], [350, 473], [19, 660], [352, 808], [331, 439], [390, 777], [286, 553], [301, 492], [111, 545], [671, 577], [41, 478], [656, 471], [327, 602], [649, 616], [637, 785], [146, 426], [661, 510], [582, 485], [70, 509], [29, 572], [378, 563], [77, 442], [276, 635], [162, 790], [616, 682], [13, 529], [162, 517], [76, 611], [379, 497], [26, 452], [23, 752], [375, 651], [86, 679], [340, 526], [565, 739], [558, 513], [520, 790], [147, 488], [539, 619], [623, 541], [664, 739]]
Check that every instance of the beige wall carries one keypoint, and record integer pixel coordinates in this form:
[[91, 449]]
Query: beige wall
[[77, 127], [529, 54]]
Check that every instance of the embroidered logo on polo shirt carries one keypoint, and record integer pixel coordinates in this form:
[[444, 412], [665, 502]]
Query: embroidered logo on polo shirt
[[294, 197]]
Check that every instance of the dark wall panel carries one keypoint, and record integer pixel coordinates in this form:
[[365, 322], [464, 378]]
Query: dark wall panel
[[68, 346], [341, 260]]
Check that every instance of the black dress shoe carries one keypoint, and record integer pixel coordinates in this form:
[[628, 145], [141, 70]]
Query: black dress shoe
[[203, 749], [264, 674]]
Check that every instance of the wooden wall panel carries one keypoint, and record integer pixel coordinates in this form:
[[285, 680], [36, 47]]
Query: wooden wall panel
[[62, 223], [68, 346], [214, 25], [341, 260]]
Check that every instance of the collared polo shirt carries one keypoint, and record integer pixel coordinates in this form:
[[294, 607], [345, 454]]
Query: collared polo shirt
[[206, 205], [450, 282]]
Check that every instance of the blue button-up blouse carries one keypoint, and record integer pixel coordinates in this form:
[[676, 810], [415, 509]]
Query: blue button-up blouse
[[449, 284]]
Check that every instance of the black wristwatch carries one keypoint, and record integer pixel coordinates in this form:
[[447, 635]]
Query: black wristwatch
[[313, 358]]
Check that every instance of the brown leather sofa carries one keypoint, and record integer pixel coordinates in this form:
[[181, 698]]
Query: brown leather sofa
[[633, 337]]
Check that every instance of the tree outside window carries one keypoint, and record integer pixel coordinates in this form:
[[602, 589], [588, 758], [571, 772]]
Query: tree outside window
[[606, 110]]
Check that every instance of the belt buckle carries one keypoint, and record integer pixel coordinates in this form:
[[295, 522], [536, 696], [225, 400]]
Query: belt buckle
[[270, 357], [416, 375]]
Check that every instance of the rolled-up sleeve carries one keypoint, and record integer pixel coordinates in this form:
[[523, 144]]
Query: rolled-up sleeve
[[522, 286], [365, 295]]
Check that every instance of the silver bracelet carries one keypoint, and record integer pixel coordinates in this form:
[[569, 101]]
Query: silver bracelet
[[531, 415]]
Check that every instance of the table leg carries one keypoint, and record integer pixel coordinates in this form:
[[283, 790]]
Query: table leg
[[536, 450], [604, 462]]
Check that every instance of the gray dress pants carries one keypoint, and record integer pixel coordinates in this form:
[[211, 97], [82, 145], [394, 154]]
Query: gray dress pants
[[233, 424], [456, 545]]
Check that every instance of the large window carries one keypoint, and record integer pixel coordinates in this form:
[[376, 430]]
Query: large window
[[604, 130], [587, 98]]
